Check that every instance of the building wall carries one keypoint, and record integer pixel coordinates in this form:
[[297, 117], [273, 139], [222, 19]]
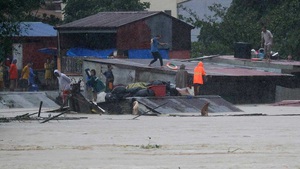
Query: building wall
[[180, 54], [181, 35], [125, 75], [134, 36], [30, 53], [162, 25], [283, 93]]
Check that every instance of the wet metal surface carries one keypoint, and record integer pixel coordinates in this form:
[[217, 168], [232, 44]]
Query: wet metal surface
[[25, 100], [213, 68], [188, 104]]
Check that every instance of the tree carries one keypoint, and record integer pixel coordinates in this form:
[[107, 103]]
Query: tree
[[12, 12], [242, 22], [77, 9]]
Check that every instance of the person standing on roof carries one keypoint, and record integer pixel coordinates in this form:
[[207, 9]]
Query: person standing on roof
[[266, 42], [64, 84], [154, 50], [181, 78], [199, 74]]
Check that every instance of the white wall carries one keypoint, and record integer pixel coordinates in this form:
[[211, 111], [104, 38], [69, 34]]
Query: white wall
[[162, 5]]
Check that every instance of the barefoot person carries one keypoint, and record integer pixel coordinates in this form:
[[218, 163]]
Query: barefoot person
[[266, 42]]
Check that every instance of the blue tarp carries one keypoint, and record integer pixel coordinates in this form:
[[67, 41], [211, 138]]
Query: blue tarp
[[37, 29], [146, 54], [77, 52]]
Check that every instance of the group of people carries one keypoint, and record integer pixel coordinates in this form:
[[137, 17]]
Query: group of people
[[181, 78], [26, 79], [95, 85], [10, 77]]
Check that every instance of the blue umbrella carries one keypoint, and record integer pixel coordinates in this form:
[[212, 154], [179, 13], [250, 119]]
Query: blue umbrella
[[50, 51]]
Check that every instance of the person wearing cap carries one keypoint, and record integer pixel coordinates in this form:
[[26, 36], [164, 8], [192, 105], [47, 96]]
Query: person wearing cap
[[199, 73]]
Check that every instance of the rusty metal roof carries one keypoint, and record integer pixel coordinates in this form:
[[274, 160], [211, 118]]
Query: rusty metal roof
[[110, 20]]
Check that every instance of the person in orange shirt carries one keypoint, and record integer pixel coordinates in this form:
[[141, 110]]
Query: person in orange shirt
[[13, 75], [199, 73]]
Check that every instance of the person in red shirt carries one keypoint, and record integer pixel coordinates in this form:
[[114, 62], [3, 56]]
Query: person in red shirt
[[199, 73], [13, 75]]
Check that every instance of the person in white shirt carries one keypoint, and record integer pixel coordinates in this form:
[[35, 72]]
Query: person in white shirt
[[64, 83], [266, 42]]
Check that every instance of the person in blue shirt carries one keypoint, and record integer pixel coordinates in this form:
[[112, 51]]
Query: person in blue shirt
[[96, 84], [154, 50]]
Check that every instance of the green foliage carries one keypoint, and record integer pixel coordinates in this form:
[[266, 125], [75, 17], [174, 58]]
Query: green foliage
[[242, 22], [11, 13], [77, 9]]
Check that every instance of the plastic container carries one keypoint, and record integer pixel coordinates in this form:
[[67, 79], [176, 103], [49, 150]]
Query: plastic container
[[242, 50], [159, 90]]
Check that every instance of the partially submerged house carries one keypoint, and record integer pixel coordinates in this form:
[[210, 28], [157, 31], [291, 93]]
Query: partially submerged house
[[127, 32]]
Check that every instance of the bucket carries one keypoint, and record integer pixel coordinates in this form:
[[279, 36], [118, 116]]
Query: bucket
[[159, 90]]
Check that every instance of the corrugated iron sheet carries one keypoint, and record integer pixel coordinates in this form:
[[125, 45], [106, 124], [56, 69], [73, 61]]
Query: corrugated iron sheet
[[111, 19], [188, 104], [108, 19]]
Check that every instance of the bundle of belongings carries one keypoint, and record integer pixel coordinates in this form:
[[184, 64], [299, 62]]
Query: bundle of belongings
[[142, 89]]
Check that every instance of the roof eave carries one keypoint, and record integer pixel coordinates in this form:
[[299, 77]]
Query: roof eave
[[86, 30]]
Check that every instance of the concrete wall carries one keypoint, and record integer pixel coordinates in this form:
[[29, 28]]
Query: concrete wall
[[125, 75], [283, 93]]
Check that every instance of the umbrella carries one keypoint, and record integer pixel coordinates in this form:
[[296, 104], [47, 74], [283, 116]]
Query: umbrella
[[49, 50]]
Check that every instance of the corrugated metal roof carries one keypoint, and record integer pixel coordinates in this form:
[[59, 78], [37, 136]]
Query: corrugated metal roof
[[36, 29], [110, 19], [188, 104]]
